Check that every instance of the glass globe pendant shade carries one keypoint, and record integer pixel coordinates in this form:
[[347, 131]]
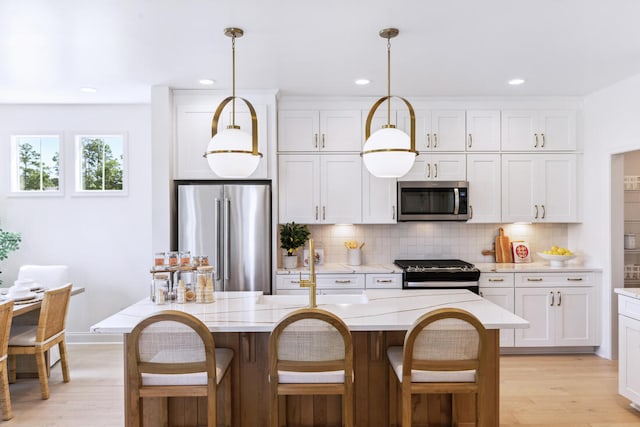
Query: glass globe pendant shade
[[388, 163], [229, 154]]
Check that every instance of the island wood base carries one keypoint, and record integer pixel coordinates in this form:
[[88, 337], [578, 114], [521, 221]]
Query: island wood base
[[250, 400]]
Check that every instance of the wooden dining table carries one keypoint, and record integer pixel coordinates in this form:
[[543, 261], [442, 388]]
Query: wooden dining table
[[20, 308]]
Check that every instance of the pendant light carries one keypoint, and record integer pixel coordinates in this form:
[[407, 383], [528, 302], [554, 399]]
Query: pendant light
[[233, 153], [389, 152]]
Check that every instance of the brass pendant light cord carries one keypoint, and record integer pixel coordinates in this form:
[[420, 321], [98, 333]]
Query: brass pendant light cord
[[233, 80], [389, 81]]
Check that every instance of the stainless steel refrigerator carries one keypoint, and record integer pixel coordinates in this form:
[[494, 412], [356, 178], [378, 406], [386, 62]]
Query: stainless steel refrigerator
[[231, 224]]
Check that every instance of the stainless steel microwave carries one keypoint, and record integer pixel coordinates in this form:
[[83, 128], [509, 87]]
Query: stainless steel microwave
[[433, 200]]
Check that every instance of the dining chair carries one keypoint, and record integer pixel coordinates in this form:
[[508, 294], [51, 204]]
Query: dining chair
[[173, 354], [49, 276], [6, 315], [37, 339], [442, 353], [310, 353]]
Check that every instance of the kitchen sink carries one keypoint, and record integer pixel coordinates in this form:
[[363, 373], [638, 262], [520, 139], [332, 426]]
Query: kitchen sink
[[303, 299]]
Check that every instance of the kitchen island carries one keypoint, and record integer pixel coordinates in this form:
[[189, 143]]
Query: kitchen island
[[377, 318]]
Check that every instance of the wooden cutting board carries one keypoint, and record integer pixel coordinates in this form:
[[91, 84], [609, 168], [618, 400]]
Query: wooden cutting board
[[503, 248]]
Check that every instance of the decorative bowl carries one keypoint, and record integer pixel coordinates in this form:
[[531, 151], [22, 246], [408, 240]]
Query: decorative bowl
[[556, 260]]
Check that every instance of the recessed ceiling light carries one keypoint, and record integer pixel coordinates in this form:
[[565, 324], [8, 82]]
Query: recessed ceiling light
[[362, 82], [516, 82], [207, 82], [88, 89]]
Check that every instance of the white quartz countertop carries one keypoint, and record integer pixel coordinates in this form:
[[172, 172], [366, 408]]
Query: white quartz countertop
[[629, 292], [374, 310], [337, 268], [530, 267]]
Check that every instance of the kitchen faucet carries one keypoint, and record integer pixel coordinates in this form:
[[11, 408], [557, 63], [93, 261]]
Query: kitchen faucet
[[311, 283]]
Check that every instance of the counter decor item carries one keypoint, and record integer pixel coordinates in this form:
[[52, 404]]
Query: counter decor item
[[354, 252], [521, 251], [557, 256], [292, 237], [503, 248], [319, 258]]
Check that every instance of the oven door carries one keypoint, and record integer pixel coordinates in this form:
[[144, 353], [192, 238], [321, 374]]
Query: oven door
[[433, 201], [470, 286]]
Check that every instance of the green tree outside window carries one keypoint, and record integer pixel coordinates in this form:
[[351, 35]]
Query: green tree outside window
[[102, 163]]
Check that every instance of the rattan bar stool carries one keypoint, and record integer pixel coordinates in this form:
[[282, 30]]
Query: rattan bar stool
[[311, 353], [6, 316], [441, 354]]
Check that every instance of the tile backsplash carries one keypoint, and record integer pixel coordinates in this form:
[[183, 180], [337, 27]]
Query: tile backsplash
[[407, 240]]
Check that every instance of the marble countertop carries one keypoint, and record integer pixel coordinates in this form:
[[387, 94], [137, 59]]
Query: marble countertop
[[530, 267], [373, 310], [338, 268], [629, 292]]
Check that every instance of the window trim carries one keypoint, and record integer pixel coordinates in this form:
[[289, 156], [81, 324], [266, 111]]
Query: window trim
[[77, 159], [14, 180]]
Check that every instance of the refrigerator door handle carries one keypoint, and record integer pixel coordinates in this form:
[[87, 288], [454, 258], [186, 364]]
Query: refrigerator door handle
[[227, 237], [219, 232]]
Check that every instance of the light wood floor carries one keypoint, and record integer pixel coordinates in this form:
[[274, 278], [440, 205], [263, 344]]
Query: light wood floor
[[542, 391]]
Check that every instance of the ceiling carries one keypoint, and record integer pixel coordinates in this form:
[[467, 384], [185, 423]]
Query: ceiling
[[50, 49]]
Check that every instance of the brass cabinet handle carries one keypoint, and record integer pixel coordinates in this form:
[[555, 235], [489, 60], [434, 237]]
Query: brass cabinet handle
[[315, 140], [323, 140], [393, 212], [342, 281], [470, 141], [536, 144], [435, 167], [481, 294], [537, 279], [536, 206], [544, 211], [316, 212], [559, 299], [435, 140], [543, 140], [574, 279], [324, 213], [496, 279], [470, 212], [428, 140], [384, 281], [552, 298], [428, 170], [295, 281]]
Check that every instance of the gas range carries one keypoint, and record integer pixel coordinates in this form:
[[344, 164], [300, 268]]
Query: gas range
[[439, 274]]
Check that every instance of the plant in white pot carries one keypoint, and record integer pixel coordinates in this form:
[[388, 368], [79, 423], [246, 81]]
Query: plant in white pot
[[9, 242], [292, 237]]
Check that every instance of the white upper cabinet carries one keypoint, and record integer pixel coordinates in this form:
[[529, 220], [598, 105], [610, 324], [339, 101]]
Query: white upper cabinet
[[193, 132], [540, 188], [320, 189], [544, 130], [324, 131], [379, 197], [483, 130], [437, 167], [436, 130], [483, 174]]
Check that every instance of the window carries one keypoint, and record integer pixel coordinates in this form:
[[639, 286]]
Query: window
[[100, 164], [35, 163]]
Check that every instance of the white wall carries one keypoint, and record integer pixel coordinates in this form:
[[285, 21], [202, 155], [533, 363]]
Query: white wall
[[611, 127], [106, 241]]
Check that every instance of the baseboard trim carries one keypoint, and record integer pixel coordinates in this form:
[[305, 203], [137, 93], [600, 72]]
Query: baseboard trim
[[89, 338], [546, 350]]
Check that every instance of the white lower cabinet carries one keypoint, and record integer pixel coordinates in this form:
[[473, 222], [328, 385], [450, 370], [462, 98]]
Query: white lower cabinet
[[326, 284], [561, 309], [498, 288], [629, 348]]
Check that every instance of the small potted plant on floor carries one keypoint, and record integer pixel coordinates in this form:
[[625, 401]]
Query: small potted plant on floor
[[292, 237]]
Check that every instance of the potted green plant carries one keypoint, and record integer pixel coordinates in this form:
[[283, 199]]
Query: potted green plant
[[292, 237], [9, 242]]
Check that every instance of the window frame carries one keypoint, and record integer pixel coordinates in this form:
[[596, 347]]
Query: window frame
[[14, 179], [77, 158]]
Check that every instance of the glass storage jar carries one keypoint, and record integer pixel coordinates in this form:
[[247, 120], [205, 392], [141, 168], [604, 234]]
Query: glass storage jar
[[160, 288], [204, 284], [184, 284]]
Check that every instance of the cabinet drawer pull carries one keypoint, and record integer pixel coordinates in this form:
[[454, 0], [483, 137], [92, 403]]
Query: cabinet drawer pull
[[295, 281], [323, 140], [435, 167], [316, 213], [342, 281], [559, 299], [384, 281], [537, 279], [574, 279], [553, 298], [536, 144], [315, 140], [544, 211], [428, 170], [428, 140], [435, 140], [324, 213], [470, 211], [393, 212], [536, 208], [497, 279], [470, 141], [543, 140]]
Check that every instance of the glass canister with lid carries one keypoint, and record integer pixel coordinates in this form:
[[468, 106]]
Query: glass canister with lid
[[184, 283], [204, 284], [160, 288]]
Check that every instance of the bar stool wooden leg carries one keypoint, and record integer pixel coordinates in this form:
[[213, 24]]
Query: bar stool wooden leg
[[227, 399], [406, 404], [12, 369], [5, 398]]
